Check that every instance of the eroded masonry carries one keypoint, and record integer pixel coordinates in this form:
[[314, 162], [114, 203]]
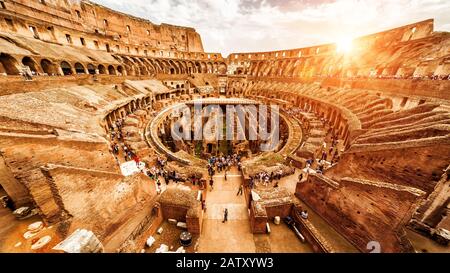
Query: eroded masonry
[[88, 163]]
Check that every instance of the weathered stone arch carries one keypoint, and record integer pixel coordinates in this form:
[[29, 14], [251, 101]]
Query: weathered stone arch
[[150, 66], [166, 67], [204, 69], [66, 68], [48, 67], [101, 69], [120, 70], [130, 66], [111, 70], [174, 67], [222, 69], [8, 64], [79, 68], [198, 67], [28, 61], [191, 67], [91, 69]]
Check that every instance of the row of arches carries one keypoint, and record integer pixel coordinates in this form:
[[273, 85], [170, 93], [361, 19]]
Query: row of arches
[[11, 66], [337, 67], [125, 110], [333, 114], [132, 66], [150, 66], [140, 103], [90, 68]]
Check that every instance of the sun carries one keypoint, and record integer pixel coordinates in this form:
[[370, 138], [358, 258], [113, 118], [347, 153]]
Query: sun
[[344, 45]]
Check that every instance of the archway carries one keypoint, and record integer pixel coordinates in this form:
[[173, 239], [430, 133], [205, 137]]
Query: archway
[[27, 61], [111, 70], [101, 69], [48, 67], [79, 68], [66, 68], [91, 69], [222, 68], [120, 70], [8, 64]]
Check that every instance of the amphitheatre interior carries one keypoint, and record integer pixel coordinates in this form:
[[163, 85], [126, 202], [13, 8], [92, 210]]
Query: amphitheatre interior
[[362, 160]]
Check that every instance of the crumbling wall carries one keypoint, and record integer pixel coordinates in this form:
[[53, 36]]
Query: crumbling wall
[[361, 212], [100, 201]]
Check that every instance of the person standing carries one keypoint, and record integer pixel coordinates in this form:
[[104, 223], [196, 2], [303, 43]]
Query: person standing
[[225, 176], [225, 215]]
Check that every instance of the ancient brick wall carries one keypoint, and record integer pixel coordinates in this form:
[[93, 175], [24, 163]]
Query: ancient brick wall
[[93, 22], [281, 210], [174, 212], [361, 212]]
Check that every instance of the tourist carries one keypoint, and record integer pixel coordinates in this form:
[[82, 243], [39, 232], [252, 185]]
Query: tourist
[[304, 214], [279, 174], [225, 176], [300, 177], [211, 184], [250, 182], [158, 183], [136, 159], [158, 186], [240, 191], [266, 179], [225, 215]]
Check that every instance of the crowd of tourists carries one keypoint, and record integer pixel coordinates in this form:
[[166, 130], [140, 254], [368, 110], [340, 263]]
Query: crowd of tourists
[[118, 144], [265, 179], [157, 173]]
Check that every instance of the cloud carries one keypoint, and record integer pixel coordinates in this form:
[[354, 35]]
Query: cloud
[[260, 25]]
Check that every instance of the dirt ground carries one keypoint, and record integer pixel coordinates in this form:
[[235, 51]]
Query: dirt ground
[[171, 237], [12, 231]]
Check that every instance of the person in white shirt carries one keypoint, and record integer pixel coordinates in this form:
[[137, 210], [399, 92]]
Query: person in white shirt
[[304, 214]]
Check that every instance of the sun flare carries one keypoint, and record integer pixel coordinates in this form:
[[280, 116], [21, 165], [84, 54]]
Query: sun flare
[[344, 45]]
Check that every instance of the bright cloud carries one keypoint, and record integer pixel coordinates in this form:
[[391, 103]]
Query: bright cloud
[[260, 25]]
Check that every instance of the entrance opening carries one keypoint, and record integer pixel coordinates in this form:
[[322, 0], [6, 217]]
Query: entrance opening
[[101, 69], [27, 61], [79, 69], [48, 67], [111, 70], [66, 68], [91, 69], [8, 65]]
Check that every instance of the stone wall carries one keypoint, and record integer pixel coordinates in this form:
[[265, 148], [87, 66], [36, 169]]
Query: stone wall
[[258, 221], [283, 211], [361, 212], [93, 22]]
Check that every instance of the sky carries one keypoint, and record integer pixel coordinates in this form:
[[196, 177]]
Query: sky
[[232, 26]]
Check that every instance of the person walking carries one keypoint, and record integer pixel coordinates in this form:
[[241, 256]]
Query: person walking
[[225, 215], [240, 191], [211, 184], [225, 176]]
